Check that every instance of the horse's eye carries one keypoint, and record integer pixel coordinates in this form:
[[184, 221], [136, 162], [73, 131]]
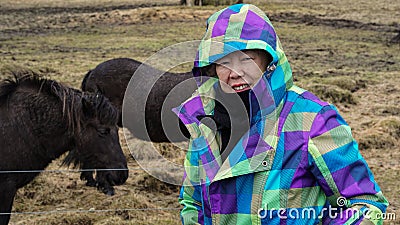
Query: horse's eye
[[103, 131]]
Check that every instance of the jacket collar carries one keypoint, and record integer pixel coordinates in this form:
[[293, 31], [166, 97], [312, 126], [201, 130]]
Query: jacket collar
[[255, 147]]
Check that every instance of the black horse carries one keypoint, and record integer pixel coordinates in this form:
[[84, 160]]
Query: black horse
[[111, 79], [40, 120]]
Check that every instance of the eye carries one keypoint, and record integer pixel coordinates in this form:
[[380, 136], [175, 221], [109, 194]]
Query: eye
[[103, 131], [223, 63], [247, 58]]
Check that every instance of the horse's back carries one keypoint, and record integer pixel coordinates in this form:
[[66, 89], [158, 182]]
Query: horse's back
[[118, 70], [152, 94]]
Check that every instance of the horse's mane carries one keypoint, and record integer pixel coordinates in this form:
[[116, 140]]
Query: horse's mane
[[32, 81], [9, 85], [70, 98]]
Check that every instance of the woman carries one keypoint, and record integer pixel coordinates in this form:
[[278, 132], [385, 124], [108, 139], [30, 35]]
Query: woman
[[262, 150]]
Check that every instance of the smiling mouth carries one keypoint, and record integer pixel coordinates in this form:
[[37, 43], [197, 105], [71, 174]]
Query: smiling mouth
[[241, 87]]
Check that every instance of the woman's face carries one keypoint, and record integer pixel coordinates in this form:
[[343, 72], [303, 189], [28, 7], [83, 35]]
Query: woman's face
[[240, 71]]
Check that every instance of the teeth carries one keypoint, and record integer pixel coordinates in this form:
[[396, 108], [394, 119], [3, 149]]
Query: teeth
[[241, 87]]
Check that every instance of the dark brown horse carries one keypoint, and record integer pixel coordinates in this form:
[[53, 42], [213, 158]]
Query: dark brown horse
[[40, 120], [111, 79]]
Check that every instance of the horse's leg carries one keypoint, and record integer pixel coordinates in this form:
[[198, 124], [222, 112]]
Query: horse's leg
[[7, 194]]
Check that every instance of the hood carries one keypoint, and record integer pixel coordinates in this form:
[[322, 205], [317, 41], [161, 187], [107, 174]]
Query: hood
[[239, 27], [243, 27]]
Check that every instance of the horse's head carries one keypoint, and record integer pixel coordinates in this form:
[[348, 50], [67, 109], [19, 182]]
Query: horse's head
[[99, 138], [97, 141]]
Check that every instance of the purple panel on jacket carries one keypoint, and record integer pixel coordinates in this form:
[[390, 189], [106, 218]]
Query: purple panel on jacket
[[223, 196], [321, 126], [294, 140], [350, 185], [224, 203], [302, 178], [194, 106], [311, 96], [255, 145], [324, 185]]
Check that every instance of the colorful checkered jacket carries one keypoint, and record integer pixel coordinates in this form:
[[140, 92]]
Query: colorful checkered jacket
[[298, 163]]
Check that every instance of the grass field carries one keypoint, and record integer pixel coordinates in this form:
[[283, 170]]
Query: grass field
[[341, 50]]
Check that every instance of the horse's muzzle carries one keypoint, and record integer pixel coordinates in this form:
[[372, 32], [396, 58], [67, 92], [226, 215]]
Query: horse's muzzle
[[118, 176]]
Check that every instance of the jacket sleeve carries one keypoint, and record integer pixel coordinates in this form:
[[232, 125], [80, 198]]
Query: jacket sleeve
[[342, 172], [190, 196], [190, 199]]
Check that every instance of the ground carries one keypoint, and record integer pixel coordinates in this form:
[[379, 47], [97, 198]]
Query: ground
[[344, 51]]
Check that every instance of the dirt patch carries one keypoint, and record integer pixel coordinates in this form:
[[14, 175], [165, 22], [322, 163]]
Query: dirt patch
[[383, 134], [146, 15], [321, 20], [333, 94], [151, 184], [83, 20], [84, 9], [387, 110], [376, 140]]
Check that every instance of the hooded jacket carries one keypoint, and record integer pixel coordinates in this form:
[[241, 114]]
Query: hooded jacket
[[298, 161]]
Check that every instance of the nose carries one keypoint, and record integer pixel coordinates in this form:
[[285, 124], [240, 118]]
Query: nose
[[120, 176], [236, 71], [124, 174]]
